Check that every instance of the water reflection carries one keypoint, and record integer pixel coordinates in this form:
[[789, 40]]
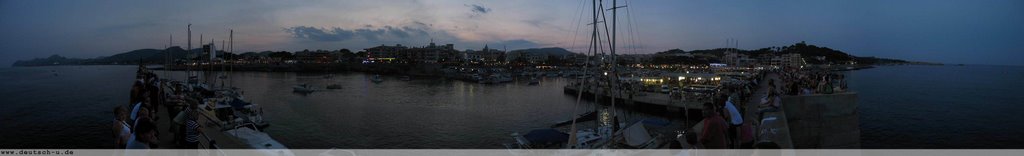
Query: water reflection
[[421, 113]]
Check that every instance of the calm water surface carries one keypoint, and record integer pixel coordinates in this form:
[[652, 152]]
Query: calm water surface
[[941, 106], [73, 108], [901, 107]]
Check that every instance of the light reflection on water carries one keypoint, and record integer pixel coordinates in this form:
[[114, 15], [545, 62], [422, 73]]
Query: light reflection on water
[[422, 113], [900, 107]]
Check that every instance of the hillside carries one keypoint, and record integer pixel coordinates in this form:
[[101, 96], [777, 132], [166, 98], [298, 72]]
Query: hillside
[[556, 51], [148, 56], [809, 53]]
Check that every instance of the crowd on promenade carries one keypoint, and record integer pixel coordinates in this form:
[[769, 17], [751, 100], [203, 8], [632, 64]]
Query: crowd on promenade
[[724, 126], [135, 123], [811, 81]]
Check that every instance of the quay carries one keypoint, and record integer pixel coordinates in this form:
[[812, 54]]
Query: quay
[[212, 138], [215, 133], [639, 98], [816, 121], [773, 126]]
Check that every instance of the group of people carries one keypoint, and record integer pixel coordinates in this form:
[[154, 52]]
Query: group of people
[[724, 126], [806, 82], [135, 124]]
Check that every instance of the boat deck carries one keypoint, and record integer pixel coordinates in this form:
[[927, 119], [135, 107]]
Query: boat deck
[[211, 130]]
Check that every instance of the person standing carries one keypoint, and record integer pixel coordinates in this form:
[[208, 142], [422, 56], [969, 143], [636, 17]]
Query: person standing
[[143, 136], [735, 120], [713, 135], [192, 127], [122, 131]]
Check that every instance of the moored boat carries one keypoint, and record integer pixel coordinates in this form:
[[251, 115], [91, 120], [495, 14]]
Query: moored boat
[[303, 88], [376, 79]]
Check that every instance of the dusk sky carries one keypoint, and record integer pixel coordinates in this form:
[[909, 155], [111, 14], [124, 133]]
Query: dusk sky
[[946, 31]]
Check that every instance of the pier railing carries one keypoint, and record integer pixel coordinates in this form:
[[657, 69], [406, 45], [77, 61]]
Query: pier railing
[[210, 142]]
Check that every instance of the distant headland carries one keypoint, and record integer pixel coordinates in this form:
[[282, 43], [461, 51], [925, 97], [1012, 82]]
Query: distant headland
[[807, 54]]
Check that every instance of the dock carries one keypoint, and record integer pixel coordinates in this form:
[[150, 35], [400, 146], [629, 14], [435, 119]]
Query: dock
[[641, 98], [211, 132], [773, 126], [815, 121]]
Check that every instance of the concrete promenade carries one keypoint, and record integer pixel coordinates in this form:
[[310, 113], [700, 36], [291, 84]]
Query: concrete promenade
[[773, 126]]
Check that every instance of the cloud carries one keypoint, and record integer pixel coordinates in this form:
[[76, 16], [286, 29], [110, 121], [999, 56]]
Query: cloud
[[414, 34], [478, 9], [368, 33], [317, 34]]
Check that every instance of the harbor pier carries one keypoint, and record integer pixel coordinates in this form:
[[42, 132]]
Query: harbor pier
[[645, 99]]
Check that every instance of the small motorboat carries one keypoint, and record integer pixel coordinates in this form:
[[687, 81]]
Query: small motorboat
[[303, 88], [376, 79], [534, 81]]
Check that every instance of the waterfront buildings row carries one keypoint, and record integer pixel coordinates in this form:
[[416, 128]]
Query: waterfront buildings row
[[447, 54], [739, 59]]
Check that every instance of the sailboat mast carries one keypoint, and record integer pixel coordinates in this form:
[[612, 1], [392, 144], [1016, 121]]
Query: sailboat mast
[[594, 40], [188, 68], [614, 9], [222, 63], [199, 58], [167, 56], [614, 76], [231, 41]]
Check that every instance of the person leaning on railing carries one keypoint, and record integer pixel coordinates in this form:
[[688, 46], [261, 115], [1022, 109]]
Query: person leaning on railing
[[143, 136], [122, 131], [192, 127]]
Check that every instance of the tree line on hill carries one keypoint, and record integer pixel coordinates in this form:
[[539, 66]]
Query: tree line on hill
[[812, 55]]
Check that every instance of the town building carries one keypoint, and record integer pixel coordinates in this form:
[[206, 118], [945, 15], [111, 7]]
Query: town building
[[314, 57], [738, 59], [485, 55], [383, 53], [432, 53]]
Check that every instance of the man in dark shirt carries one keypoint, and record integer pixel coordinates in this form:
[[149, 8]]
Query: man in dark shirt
[[713, 135]]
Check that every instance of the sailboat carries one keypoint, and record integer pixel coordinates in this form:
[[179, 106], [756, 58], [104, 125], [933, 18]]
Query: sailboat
[[606, 134], [611, 135], [226, 106]]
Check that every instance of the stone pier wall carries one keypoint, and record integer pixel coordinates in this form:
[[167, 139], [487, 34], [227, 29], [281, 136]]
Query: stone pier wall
[[823, 121]]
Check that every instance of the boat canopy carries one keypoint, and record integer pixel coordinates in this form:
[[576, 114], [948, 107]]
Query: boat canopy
[[238, 103], [656, 122], [637, 135]]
